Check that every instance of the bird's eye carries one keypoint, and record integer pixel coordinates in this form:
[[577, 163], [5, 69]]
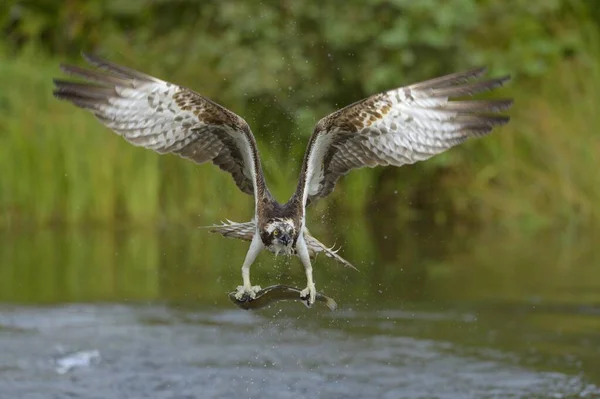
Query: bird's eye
[[275, 232]]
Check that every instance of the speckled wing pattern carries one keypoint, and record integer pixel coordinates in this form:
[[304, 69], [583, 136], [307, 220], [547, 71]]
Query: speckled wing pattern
[[398, 127], [167, 118]]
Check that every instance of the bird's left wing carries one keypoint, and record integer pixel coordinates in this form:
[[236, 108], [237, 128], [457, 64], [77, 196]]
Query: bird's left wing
[[166, 118], [398, 127]]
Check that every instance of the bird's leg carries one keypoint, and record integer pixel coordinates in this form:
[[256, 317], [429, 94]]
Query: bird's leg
[[310, 292], [247, 289]]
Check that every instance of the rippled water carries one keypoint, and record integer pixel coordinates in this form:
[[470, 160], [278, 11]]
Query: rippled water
[[145, 315]]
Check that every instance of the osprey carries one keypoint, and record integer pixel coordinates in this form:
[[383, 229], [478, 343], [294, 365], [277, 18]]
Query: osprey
[[397, 127]]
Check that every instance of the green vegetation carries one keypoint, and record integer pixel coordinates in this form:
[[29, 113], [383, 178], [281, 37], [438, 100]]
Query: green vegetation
[[282, 66]]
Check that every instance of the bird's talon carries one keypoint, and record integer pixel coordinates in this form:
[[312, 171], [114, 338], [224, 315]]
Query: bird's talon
[[309, 294], [245, 293]]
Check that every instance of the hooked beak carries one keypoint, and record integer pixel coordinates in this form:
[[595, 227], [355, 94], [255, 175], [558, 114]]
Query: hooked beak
[[285, 239]]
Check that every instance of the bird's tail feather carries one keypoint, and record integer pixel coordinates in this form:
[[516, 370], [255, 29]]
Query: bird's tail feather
[[243, 231], [315, 247]]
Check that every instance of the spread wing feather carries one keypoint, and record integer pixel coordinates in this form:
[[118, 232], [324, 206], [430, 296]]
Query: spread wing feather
[[398, 127], [166, 118]]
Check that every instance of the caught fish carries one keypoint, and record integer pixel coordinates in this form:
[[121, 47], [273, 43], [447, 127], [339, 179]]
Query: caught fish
[[275, 293]]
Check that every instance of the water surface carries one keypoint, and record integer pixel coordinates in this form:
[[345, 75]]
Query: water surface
[[145, 313]]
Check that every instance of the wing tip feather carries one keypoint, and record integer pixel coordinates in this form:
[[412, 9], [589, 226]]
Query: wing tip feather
[[450, 79]]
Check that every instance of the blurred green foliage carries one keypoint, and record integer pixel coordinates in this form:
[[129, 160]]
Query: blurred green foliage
[[282, 66]]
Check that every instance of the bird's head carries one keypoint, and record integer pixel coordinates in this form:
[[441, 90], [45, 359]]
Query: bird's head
[[279, 235]]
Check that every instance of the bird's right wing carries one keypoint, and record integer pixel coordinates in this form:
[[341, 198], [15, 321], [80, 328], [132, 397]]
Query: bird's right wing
[[166, 118], [398, 127]]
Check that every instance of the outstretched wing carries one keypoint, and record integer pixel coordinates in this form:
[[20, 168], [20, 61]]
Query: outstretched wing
[[398, 127], [166, 118]]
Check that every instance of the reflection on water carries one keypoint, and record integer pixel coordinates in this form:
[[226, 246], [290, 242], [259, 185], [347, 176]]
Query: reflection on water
[[429, 315]]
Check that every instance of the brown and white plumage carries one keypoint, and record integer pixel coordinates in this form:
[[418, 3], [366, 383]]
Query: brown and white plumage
[[164, 117], [397, 127], [245, 231]]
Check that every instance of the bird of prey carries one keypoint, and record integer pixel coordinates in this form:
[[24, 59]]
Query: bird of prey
[[396, 127]]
